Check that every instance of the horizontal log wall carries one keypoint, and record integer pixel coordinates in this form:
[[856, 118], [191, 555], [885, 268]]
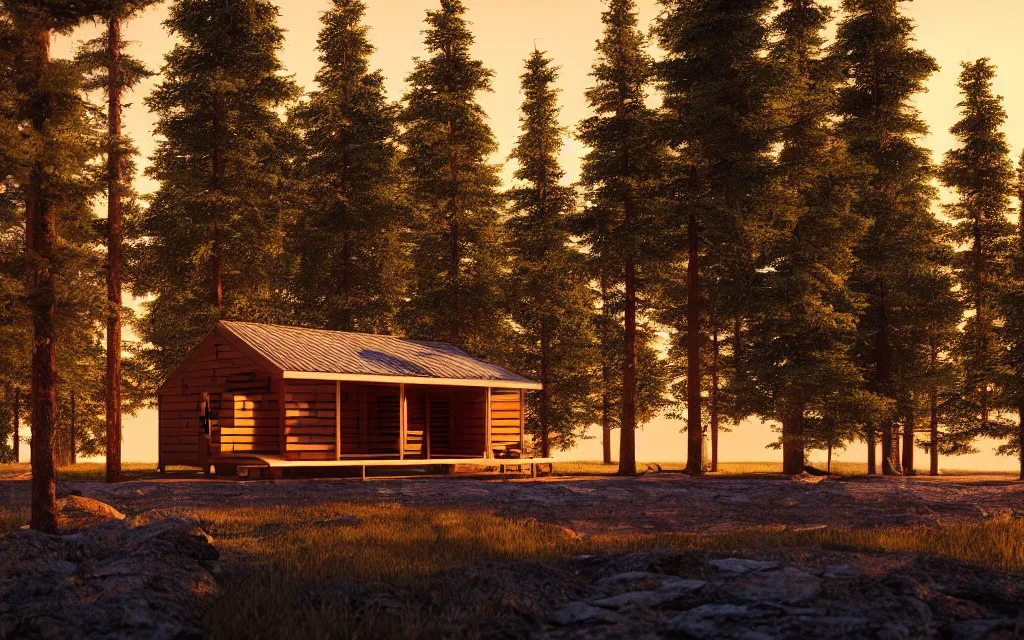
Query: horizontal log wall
[[506, 418], [309, 419], [220, 371]]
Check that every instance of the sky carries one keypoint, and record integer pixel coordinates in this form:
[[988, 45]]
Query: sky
[[950, 30]]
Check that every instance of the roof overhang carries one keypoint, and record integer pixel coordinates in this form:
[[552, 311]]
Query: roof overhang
[[446, 382]]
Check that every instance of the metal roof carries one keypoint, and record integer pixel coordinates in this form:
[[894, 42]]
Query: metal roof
[[340, 355]]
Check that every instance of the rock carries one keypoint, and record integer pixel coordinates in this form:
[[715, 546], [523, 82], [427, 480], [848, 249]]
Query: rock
[[669, 592], [579, 612], [114, 580], [786, 585], [742, 565], [75, 513], [714, 620]]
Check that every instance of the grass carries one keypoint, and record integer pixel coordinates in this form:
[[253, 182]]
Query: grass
[[292, 572], [96, 471], [593, 468]]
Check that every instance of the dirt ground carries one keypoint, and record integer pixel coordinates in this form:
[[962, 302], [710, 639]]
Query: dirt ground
[[657, 502]]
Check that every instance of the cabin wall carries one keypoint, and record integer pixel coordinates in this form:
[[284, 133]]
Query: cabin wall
[[309, 419], [224, 373], [506, 418]]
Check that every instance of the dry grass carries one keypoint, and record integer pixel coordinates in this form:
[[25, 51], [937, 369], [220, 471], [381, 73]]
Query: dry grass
[[387, 571], [291, 572], [12, 519], [97, 471], [594, 468]]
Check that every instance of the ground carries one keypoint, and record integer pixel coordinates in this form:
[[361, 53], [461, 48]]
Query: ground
[[483, 556]]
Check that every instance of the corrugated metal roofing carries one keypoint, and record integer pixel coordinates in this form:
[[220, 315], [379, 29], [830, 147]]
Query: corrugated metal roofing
[[297, 349]]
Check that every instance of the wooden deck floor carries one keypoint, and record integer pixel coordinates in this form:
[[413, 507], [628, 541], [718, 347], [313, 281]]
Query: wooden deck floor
[[276, 464]]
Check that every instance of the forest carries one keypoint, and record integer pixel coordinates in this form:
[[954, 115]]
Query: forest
[[756, 233]]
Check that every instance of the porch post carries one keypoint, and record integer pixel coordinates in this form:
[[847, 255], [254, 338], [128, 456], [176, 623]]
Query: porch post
[[426, 424], [487, 423], [403, 416], [337, 420], [522, 422]]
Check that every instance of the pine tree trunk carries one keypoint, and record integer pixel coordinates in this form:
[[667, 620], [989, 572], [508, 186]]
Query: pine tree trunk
[[828, 468], [909, 427], [606, 375], [872, 462], [1020, 438], [627, 435], [793, 438], [41, 235], [694, 451], [17, 424], [114, 240], [933, 424], [74, 431], [545, 397], [454, 252], [890, 449], [714, 399]]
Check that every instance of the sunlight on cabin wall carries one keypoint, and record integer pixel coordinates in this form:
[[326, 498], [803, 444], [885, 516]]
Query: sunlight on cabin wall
[[951, 30]]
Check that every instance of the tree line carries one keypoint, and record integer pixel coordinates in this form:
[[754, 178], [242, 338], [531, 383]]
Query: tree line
[[755, 231]]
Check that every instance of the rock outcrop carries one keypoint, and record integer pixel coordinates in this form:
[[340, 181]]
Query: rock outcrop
[[149, 577]]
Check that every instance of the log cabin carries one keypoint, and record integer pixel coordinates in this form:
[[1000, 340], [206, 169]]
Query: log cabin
[[256, 400]]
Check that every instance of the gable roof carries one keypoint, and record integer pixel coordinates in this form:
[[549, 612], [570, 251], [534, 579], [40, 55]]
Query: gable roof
[[297, 352]]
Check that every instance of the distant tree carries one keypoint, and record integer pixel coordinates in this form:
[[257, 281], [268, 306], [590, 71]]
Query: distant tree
[[1011, 305], [548, 293], [213, 234], [715, 82], [455, 291], [350, 238], [623, 173], [112, 70], [981, 173], [874, 43]]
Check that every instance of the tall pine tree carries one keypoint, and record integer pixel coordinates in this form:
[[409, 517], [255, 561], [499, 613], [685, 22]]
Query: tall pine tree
[[455, 291], [549, 294], [112, 70], [214, 230], [981, 173], [799, 360], [901, 248], [623, 173], [715, 82], [352, 262], [1012, 308]]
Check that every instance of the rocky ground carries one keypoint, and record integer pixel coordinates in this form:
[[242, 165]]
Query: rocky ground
[[107, 576], [660, 502]]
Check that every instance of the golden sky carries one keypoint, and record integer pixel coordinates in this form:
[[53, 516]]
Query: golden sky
[[506, 31]]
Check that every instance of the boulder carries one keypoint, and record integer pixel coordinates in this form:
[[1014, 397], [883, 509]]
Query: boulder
[[112, 580]]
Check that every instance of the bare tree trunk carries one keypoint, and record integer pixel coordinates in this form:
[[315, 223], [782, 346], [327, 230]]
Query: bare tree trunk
[[114, 239], [41, 236], [872, 463], [909, 427], [714, 399], [627, 436], [1020, 436], [793, 438], [694, 451], [828, 468]]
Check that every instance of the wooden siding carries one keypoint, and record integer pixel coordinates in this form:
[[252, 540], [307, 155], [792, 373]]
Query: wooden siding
[[309, 419], [224, 373], [506, 418]]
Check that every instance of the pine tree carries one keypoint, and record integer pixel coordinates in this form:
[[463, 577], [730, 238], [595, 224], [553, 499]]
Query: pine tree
[[455, 294], [623, 174], [715, 82], [50, 173], [981, 172], [214, 230], [113, 71], [799, 359], [874, 42], [352, 258], [548, 293], [1011, 305]]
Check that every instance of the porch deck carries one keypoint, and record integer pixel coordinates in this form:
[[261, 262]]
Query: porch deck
[[275, 464]]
